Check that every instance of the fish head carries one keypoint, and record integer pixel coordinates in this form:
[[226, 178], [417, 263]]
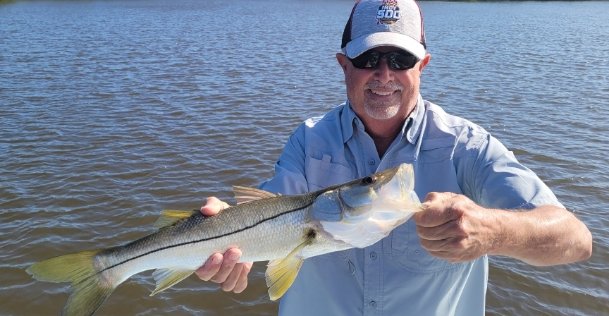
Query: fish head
[[371, 207]]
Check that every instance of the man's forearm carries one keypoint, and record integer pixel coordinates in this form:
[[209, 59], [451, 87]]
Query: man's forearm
[[546, 235]]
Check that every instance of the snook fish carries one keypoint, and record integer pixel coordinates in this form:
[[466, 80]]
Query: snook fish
[[265, 226]]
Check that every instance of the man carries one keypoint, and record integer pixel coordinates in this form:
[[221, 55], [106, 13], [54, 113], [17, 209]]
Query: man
[[478, 199]]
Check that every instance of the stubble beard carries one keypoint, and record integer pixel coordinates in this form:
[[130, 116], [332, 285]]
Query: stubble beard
[[388, 108], [381, 111]]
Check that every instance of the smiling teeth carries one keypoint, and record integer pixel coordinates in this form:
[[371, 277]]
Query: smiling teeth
[[382, 92], [384, 89]]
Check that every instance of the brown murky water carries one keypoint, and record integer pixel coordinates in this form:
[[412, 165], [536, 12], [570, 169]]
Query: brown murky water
[[113, 111]]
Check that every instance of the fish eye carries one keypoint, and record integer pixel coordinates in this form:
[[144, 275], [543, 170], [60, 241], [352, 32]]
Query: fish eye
[[368, 180]]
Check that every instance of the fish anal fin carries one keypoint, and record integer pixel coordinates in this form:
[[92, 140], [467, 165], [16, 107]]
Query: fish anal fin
[[281, 273], [246, 194], [166, 278], [170, 217]]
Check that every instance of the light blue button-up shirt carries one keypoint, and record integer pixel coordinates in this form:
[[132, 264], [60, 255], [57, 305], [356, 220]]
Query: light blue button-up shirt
[[396, 276]]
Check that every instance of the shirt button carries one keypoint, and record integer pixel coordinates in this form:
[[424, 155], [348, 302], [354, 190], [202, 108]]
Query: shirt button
[[372, 304], [373, 255], [371, 162]]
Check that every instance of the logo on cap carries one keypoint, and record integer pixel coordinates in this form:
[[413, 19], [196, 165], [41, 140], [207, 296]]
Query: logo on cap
[[388, 12]]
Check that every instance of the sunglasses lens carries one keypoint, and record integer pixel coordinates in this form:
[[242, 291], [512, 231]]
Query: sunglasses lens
[[401, 61], [366, 60], [396, 60]]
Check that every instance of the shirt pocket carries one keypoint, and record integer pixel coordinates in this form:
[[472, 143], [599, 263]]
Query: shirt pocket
[[437, 150], [406, 251], [322, 173]]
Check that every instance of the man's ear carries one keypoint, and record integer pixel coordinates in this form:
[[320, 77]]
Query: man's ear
[[343, 61], [423, 63]]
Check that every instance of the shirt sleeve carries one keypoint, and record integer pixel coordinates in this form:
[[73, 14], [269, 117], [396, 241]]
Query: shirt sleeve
[[289, 170], [493, 177]]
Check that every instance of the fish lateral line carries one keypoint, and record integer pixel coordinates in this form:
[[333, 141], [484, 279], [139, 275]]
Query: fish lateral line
[[204, 239]]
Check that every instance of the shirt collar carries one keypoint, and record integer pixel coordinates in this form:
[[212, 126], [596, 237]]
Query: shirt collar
[[349, 121], [410, 129]]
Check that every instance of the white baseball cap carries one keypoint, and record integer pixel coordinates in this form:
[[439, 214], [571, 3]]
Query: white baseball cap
[[374, 23]]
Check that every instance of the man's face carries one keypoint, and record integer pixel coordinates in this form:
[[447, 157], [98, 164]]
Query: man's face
[[379, 94]]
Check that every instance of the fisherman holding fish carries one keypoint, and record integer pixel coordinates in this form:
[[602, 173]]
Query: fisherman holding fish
[[337, 237], [478, 200]]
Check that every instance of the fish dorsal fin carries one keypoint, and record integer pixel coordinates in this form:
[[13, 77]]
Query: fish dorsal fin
[[281, 273], [170, 217], [246, 194], [166, 278]]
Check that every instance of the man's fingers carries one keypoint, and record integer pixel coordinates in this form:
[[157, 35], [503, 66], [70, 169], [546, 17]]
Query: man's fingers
[[232, 278], [432, 217], [237, 279], [437, 210], [441, 232], [231, 257], [437, 245], [213, 206], [210, 268], [242, 281], [226, 270]]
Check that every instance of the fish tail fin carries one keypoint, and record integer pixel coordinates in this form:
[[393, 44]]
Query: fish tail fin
[[89, 288]]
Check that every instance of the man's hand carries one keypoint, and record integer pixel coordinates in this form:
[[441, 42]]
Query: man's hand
[[454, 228], [224, 268]]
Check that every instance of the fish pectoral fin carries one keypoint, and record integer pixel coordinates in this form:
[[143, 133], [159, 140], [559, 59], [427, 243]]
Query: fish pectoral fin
[[246, 194], [170, 217], [281, 273], [166, 278]]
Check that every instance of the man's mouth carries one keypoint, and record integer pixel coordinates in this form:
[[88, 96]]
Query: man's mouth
[[382, 92]]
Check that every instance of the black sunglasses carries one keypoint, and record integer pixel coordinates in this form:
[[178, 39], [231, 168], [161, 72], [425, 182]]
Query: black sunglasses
[[397, 60]]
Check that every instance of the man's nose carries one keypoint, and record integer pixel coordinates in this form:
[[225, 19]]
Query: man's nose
[[383, 73]]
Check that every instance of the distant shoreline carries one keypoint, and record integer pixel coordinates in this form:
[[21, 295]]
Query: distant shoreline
[[13, 1]]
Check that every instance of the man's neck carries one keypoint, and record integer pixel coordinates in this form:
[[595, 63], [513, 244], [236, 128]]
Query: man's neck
[[384, 132]]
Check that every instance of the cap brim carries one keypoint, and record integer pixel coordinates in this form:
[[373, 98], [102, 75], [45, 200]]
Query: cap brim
[[361, 44]]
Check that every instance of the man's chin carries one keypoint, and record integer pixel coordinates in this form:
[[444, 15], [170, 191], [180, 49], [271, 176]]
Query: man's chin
[[382, 112]]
